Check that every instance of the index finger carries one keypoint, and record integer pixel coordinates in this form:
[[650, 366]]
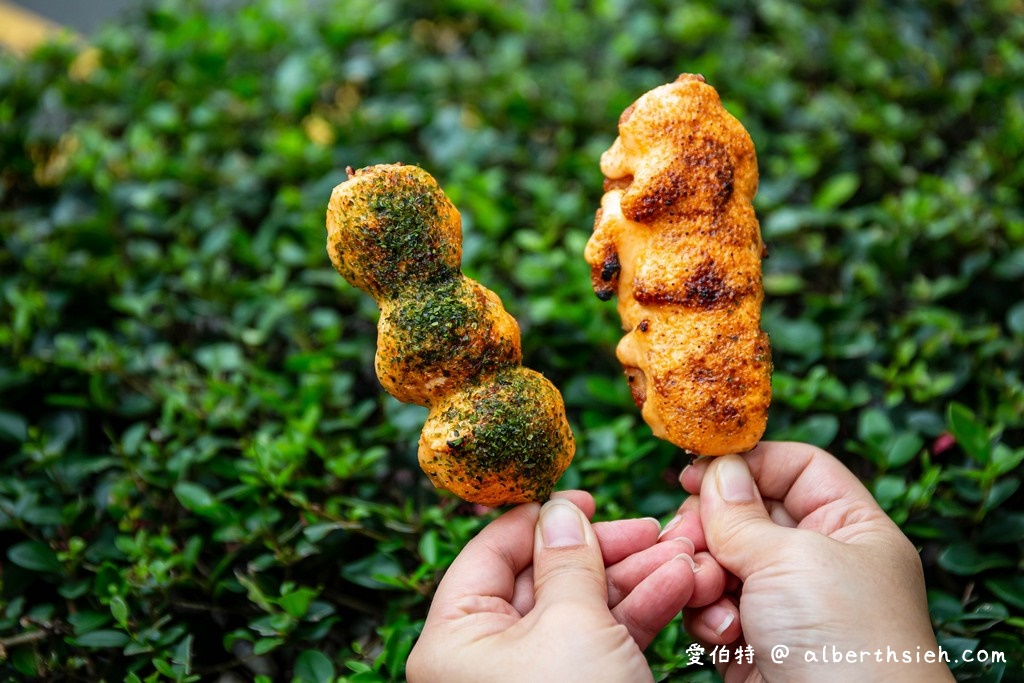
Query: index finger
[[490, 562], [488, 565], [804, 478]]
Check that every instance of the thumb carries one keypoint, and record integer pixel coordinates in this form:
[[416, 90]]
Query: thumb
[[739, 532], [567, 562]]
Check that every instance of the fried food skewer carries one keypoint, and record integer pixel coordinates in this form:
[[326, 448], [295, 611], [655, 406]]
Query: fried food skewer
[[676, 239], [496, 432]]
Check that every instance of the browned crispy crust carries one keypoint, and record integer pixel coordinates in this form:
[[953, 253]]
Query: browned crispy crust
[[496, 432], [676, 239]]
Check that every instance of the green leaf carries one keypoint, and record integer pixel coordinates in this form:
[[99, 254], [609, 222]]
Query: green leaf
[[36, 556], [312, 666], [965, 560], [26, 661], [969, 433], [987, 612], [397, 644], [137, 648], [265, 645], [1009, 589], [1015, 318], [318, 611], [1003, 529], [13, 427], [223, 357], [1005, 459], [194, 497], [874, 427], [183, 653], [903, 449], [818, 430], [102, 638], [783, 284], [887, 490], [944, 607], [802, 337], [836, 191], [164, 667], [1000, 492], [428, 547], [43, 515], [86, 620], [376, 571], [255, 592], [119, 608], [317, 532], [296, 603]]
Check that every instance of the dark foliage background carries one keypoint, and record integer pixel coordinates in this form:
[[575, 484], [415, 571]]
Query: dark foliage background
[[200, 475]]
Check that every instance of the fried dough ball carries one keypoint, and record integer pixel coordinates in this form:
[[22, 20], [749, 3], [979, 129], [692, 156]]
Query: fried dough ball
[[497, 432]]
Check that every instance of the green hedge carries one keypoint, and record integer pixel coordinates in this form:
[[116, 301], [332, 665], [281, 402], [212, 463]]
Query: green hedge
[[200, 475]]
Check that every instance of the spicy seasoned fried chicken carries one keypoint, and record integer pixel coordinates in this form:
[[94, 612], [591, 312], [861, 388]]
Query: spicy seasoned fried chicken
[[676, 239]]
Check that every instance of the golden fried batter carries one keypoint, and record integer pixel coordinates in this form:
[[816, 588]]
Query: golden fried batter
[[496, 432], [677, 240]]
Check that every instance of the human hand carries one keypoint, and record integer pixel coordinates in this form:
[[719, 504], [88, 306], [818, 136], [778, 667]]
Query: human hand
[[821, 566], [541, 594]]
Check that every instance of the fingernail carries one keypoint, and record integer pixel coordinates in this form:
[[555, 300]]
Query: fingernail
[[688, 543], [652, 519], [694, 567], [733, 480], [717, 618], [674, 522], [561, 525], [697, 464]]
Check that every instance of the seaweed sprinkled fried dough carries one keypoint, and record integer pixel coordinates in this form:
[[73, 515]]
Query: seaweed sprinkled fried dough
[[496, 433]]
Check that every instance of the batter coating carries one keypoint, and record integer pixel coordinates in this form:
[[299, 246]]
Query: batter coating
[[676, 239], [496, 433]]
